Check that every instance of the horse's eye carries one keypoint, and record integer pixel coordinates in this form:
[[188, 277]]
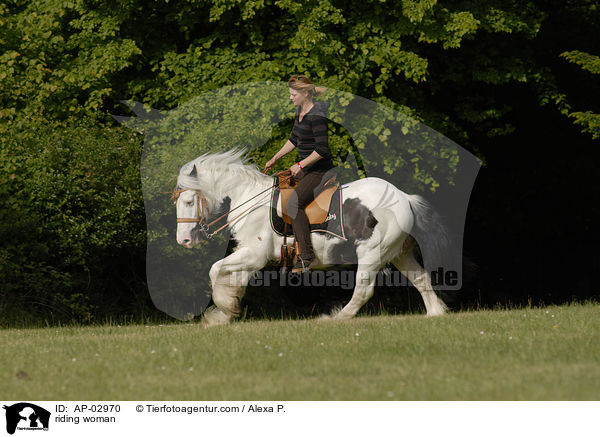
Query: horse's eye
[[190, 203]]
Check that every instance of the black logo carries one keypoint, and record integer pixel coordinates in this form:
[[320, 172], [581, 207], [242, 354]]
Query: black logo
[[25, 416]]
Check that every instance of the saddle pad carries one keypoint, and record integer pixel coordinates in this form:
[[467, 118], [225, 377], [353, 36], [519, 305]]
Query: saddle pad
[[333, 225]]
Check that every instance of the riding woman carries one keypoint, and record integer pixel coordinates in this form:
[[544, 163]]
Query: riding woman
[[309, 136]]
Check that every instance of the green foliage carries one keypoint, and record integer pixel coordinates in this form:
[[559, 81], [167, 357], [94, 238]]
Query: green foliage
[[589, 120], [72, 217], [586, 61], [60, 58], [66, 58]]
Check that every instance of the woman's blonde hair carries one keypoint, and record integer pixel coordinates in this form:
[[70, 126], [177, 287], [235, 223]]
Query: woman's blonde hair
[[302, 83]]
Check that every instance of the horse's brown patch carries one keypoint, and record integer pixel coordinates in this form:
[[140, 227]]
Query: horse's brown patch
[[359, 221]]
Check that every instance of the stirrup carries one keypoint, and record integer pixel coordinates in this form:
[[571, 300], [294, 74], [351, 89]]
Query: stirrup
[[302, 266]]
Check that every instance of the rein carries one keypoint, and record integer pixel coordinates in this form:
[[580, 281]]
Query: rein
[[205, 227]]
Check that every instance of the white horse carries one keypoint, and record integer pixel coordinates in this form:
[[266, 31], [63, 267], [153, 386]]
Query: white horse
[[206, 181]]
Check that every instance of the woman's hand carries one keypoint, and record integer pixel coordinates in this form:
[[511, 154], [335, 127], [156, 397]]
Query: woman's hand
[[270, 163], [295, 169]]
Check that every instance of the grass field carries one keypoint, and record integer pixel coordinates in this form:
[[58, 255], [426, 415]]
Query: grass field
[[550, 353]]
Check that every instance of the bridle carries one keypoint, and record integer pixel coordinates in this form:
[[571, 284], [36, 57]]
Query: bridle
[[201, 218], [199, 198]]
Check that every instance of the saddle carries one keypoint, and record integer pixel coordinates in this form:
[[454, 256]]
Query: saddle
[[317, 210], [324, 213]]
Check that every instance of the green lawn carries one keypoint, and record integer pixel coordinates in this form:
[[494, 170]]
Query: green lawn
[[548, 353]]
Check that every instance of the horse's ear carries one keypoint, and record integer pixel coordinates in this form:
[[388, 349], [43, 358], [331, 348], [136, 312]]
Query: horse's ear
[[189, 170]]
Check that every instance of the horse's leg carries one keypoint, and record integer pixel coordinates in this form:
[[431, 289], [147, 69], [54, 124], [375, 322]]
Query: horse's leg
[[369, 265], [372, 255], [421, 280], [229, 278]]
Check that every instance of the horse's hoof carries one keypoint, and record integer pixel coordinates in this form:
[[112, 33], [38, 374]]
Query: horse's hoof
[[435, 314], [339, 314], [213, 316], [343, 316]]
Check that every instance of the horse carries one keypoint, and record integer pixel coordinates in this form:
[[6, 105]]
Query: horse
[[204, 183]]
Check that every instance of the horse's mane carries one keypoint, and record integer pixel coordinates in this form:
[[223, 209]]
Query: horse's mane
[[233, 163]]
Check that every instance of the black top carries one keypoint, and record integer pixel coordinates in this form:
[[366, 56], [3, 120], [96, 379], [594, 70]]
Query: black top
[[310, 135]]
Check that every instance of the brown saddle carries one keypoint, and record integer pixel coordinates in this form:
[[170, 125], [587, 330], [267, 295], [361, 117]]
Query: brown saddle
[[318, 209]]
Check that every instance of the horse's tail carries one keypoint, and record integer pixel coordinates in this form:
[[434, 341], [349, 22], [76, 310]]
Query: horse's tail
[[430, 233]]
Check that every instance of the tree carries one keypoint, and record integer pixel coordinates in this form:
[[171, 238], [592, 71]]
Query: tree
[[589, 120]]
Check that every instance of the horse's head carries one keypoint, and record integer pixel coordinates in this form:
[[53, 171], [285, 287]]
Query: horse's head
[[191, 213]]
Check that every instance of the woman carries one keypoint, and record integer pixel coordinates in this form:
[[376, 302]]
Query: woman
[[309, 136]]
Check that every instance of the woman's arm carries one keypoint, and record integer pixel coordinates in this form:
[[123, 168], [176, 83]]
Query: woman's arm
[[320, 132], [287, 148], [310, 159]]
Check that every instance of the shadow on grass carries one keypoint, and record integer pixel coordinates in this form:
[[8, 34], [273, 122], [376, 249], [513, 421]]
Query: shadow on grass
[[277, 302]]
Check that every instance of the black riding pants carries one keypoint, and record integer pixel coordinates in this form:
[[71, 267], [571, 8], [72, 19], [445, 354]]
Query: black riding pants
[[309, 186]]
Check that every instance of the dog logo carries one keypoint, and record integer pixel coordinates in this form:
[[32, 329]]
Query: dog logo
[[26, 416]]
